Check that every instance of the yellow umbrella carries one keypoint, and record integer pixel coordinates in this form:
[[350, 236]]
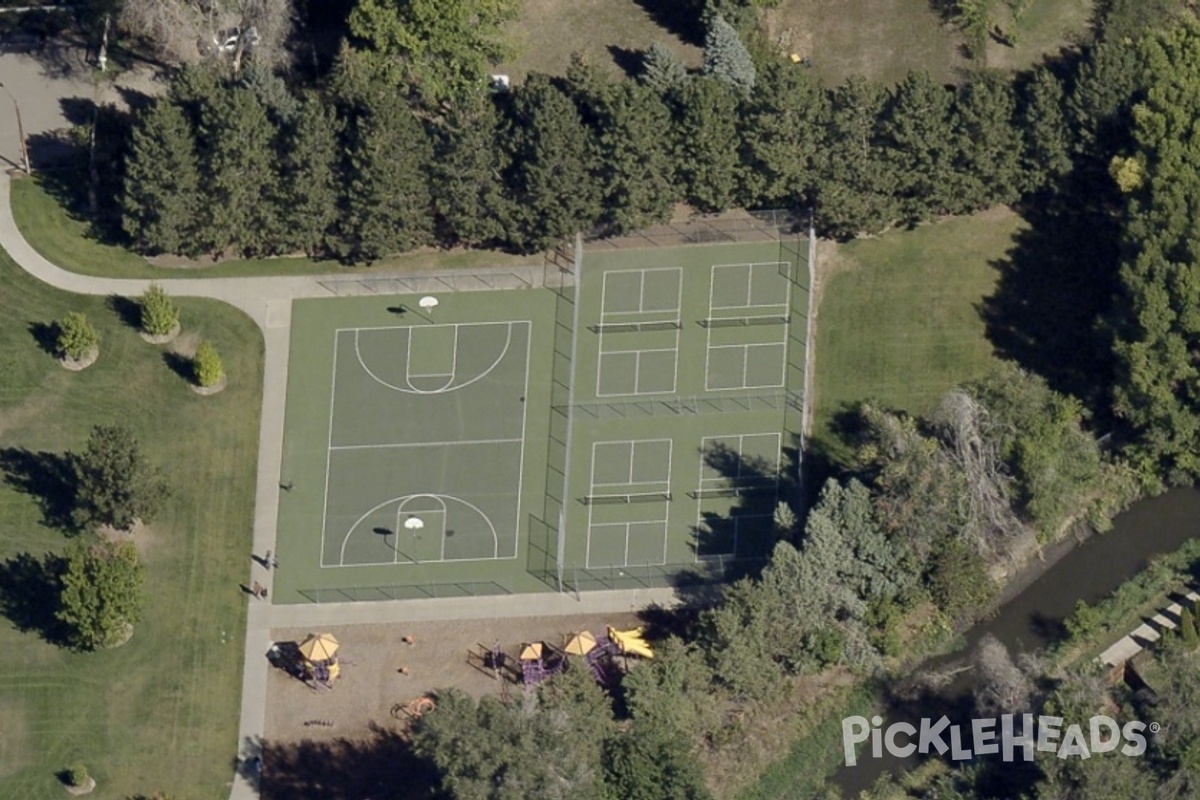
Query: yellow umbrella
[[532, 652], [319, 647], [581, 644]]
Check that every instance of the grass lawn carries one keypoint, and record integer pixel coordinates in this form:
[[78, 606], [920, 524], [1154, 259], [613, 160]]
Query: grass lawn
[[161, 712], [899, 320], [606, 32], [65, 241]]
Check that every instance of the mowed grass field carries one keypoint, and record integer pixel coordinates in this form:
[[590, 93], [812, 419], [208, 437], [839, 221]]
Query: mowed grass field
[[65, 240], [606, 32], [881, 39], [899, 318], [161, 712]]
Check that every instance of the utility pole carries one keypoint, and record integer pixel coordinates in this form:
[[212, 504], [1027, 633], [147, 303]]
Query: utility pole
[[20, 131]]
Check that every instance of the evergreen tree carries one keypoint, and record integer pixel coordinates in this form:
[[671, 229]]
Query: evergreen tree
[[1048, 138], [162, 183], [919, 127], [857, 182], [207, 369], [311, 177], [114, 483], [386, 197], [781, 132], [551, 180], [242, 181], [76, 336], [991, 142], [707, 143], [636, 169], [726, 58], [468, 195], [662, 70], [101, 593], [158, 312]]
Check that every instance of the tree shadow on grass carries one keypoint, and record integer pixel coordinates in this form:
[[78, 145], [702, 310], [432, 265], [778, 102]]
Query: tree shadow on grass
[[181, 365], [1055, 289], [46, 336], [50, 477], [628, 59], [383, 767], [129, 311], [680, 17], [29, 591]]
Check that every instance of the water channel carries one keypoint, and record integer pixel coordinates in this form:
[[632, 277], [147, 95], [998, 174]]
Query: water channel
[[1033, 617]]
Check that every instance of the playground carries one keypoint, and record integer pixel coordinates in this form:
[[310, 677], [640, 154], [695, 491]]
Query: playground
[[630, 424], [371, 690]]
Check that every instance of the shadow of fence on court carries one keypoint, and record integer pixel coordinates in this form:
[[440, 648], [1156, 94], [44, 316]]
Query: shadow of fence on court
[[414, 591]]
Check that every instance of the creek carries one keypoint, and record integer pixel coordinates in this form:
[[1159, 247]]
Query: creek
[[1032, 615]]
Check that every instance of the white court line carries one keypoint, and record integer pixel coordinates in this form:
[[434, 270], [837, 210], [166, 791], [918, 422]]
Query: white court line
[[641, 296], [722, 482], [443, 512], [632, 450], [401, 499], [422, 444], [521, 457], [329, 444], [330, 447], [447, 388]]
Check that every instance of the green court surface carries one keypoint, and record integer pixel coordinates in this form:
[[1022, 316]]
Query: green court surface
[[618, 432]]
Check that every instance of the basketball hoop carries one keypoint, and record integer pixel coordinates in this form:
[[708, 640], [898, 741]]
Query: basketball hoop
[[429, 303], [414, 524]]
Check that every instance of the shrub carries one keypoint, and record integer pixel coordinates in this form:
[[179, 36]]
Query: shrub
[[76, 336], [1187, 629], [207, 366], [160, 315], [77, 775]]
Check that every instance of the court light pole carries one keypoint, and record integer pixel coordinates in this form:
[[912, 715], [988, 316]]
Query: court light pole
[[20, 131]]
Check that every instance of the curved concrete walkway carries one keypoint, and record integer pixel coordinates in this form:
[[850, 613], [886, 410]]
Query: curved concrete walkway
[[268, 301]]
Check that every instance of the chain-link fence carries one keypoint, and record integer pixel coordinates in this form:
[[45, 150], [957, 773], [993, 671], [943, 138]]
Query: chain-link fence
[[446, 281], [730, 226]]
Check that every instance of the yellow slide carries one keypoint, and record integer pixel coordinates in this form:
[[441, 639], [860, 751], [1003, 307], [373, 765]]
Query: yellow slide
[[631, 642]]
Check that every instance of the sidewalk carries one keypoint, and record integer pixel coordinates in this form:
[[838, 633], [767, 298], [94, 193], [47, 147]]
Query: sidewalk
[[268, 301]]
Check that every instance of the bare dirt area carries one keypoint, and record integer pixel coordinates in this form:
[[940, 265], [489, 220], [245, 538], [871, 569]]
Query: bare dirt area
[[370, 687]]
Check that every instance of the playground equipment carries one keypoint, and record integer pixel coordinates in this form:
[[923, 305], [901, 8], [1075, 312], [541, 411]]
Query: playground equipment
[[580, 644], [537, 664], [630, 642], [414, 709], [321, 666]]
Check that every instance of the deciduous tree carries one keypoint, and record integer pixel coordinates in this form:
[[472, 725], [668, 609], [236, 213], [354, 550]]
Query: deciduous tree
[[443, 48]]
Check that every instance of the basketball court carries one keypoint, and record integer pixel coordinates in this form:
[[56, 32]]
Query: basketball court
[[623, 428]]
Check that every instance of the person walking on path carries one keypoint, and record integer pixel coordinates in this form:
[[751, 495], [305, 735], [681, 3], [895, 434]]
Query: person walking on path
[[259, 590]]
